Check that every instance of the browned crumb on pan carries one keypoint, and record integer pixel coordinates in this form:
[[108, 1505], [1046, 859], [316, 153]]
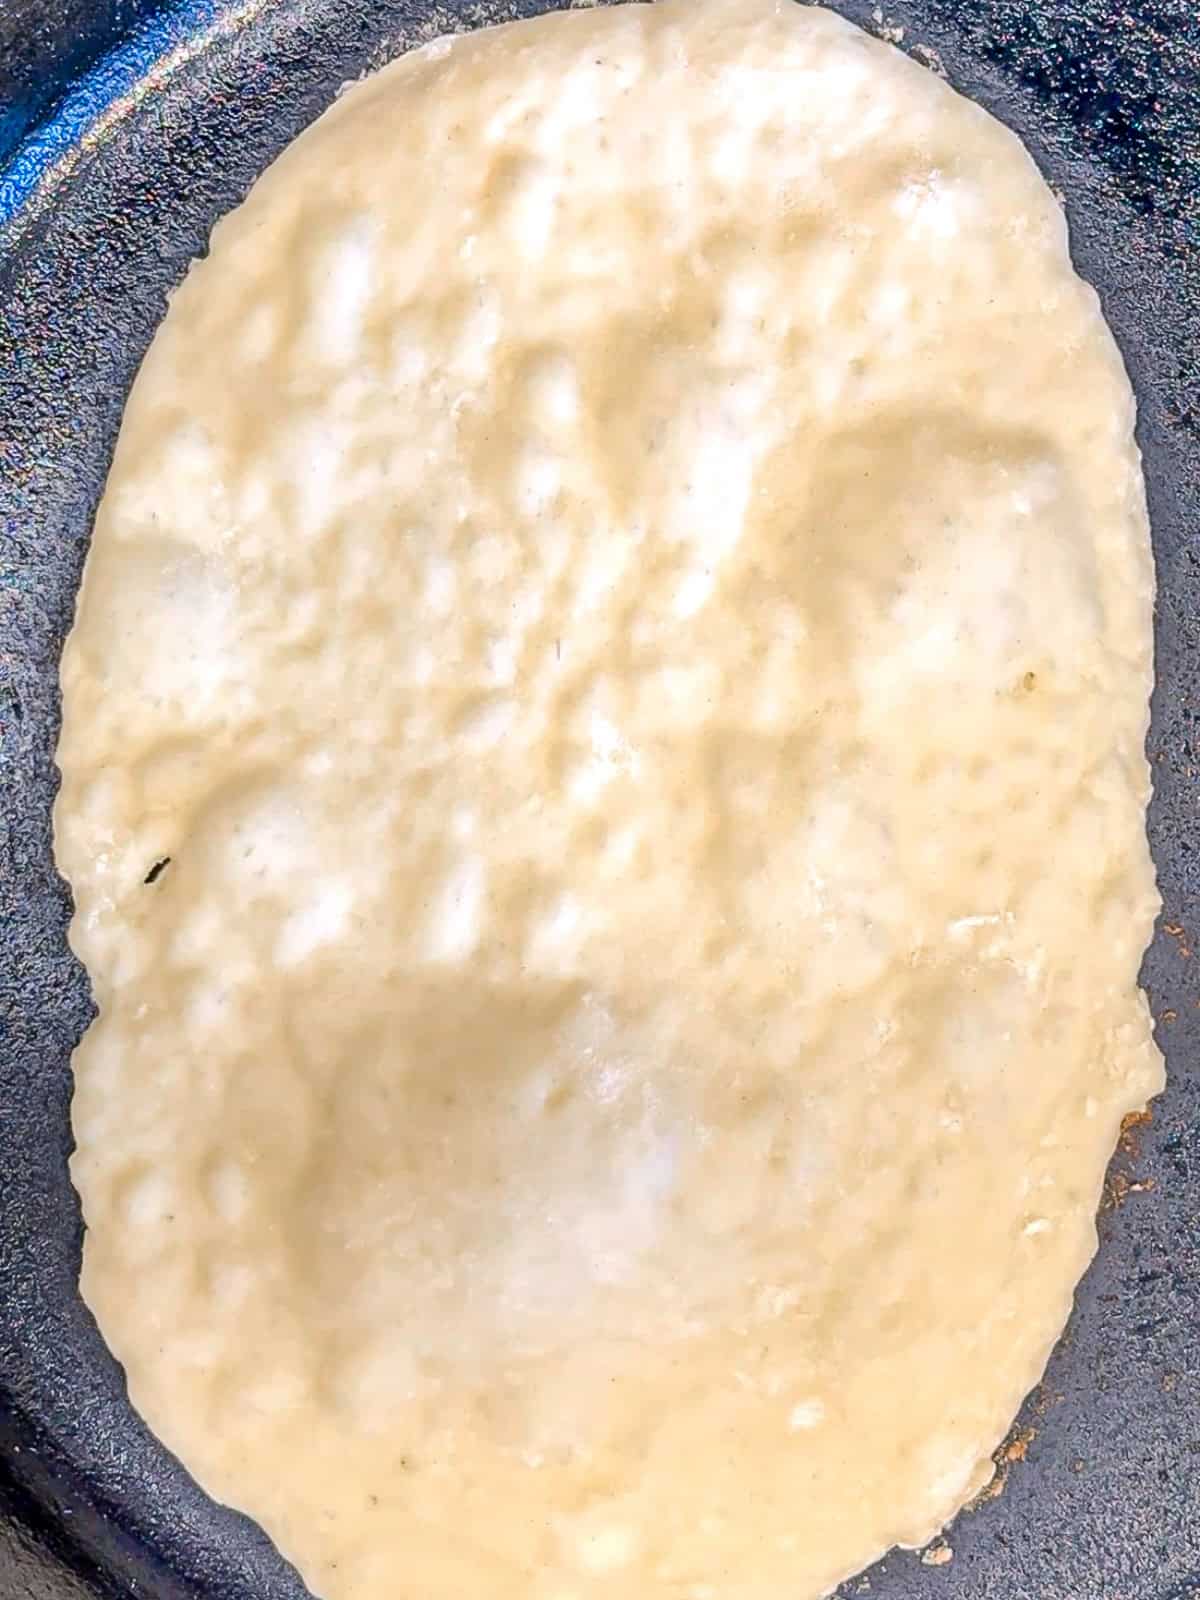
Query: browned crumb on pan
[[1045, 1399], [1176, 930], [1128, 1142], [1119, 1186], [1014, 1449], [938, 1554], [992, 1489], [1017, 1446]]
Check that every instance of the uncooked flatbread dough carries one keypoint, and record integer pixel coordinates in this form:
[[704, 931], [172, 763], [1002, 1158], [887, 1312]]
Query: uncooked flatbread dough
[[624, 596]]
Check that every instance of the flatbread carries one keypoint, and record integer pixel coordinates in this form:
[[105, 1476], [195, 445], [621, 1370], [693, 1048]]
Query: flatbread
[[603, 782]]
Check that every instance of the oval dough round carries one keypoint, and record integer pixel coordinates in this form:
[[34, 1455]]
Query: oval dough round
[[624, 596]]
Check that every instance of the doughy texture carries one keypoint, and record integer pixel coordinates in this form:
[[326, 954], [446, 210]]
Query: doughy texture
[[624, 594]]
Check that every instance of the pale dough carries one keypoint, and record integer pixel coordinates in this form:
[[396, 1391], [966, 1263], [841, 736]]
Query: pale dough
[[624, 594]]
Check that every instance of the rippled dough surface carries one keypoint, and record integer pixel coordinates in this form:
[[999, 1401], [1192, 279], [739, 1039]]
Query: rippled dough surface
[[624, 593]]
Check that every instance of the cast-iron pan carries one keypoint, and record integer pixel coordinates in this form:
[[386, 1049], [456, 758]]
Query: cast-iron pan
[[110, 185]]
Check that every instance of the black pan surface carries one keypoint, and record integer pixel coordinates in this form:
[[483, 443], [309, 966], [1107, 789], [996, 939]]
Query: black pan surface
[[1105, 1504]]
